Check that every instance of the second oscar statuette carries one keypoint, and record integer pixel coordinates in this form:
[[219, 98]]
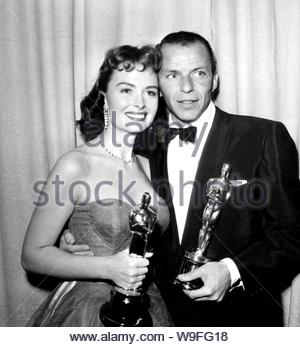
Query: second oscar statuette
[[218, 192], [129, 307]]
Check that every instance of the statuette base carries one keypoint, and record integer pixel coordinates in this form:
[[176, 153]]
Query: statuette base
[[126, 311]]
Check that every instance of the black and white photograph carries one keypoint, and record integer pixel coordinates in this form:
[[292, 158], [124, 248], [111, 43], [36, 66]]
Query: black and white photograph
[[150, 168]]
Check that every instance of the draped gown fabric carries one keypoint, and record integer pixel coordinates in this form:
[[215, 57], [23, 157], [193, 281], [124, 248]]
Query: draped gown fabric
[[77, 303]]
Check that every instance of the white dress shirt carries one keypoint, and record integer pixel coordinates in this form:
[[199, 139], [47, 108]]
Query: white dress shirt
[[183, 160]]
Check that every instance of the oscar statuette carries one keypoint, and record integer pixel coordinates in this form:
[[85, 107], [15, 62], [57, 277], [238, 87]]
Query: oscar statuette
[[218, 191], [128, 307]]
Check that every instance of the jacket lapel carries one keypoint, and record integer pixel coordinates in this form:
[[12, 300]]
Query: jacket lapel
[[160, 182], [210, 165]]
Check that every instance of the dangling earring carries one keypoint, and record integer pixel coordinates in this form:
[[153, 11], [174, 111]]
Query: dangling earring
[[106, 116]]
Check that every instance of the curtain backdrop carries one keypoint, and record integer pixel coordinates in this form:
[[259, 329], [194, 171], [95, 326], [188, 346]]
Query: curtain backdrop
[[50, 52]]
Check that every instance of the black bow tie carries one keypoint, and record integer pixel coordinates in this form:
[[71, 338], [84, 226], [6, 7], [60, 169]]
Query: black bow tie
[[185, 134]]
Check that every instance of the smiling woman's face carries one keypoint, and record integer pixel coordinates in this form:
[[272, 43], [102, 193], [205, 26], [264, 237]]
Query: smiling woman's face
[[132, 99]]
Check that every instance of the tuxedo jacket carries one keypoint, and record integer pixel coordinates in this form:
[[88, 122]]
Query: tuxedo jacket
[[259, 227]]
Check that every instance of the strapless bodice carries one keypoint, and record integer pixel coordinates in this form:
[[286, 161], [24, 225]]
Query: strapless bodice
[[103, 225]]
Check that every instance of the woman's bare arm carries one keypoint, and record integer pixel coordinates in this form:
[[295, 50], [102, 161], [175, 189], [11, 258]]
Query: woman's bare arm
[[41, 256]]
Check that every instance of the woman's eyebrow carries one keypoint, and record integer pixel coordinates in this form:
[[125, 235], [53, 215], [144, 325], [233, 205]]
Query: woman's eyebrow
[[126, 83]]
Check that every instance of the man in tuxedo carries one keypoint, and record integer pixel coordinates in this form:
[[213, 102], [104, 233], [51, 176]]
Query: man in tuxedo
[[255, 246], [256, 242]]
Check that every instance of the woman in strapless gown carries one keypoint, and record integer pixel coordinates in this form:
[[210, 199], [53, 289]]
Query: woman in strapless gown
[[78, 303], [102, 182]]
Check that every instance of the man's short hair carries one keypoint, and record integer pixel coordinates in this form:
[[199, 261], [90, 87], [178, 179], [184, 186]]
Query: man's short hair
[[186, 38]]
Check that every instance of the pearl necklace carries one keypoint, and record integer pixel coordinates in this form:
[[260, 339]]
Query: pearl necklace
[[116, 156]]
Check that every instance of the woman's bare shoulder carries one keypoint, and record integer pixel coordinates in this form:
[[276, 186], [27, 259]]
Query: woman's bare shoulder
[[71, 164], [79, 161]]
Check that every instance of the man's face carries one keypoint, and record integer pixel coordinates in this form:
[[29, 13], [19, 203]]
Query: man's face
[[186, 80]]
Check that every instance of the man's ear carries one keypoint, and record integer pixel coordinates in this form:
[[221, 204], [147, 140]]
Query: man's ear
[[215, 83]]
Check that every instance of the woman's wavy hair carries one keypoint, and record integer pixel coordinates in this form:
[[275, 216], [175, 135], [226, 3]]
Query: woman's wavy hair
[[120, 58]]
